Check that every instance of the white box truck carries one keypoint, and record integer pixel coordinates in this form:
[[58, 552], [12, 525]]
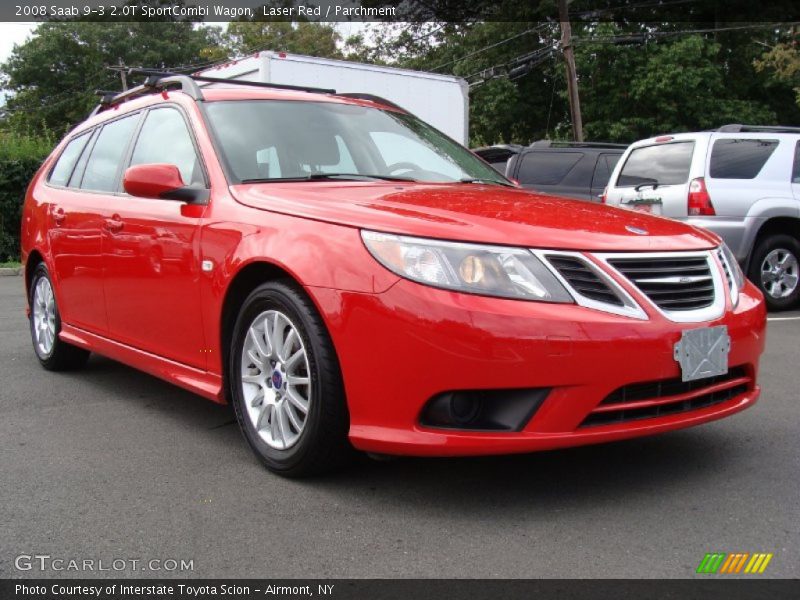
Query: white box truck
[[441, 100]]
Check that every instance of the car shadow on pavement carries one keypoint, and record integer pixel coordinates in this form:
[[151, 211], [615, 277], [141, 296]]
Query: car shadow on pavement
[[612, 473], [558, 480]]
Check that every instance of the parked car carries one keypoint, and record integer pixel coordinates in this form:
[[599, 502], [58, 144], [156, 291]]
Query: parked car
[[741, 182], [348, 277], [498, 155], [570, 169]]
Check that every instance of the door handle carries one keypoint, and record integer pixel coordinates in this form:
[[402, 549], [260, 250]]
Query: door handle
[[114, 224], [59, 215]]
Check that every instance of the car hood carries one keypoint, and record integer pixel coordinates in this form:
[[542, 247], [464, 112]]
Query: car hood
[[475, 213]]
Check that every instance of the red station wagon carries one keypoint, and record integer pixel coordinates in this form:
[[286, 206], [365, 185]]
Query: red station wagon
[[348, 277]]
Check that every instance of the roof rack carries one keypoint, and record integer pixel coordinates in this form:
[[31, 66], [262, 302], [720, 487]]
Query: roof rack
[[154, 82], [739, 128], [560, 144], [157, 81]]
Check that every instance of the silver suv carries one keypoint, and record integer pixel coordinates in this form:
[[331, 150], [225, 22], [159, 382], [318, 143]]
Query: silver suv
[[741, 182]]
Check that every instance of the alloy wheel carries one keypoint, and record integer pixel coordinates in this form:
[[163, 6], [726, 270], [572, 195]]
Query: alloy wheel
[[276, 382], [779, 273], [44, 317]]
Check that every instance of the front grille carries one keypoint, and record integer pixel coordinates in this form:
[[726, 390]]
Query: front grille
[[667, 397], [728, 275], [584, 280], [678, 283]]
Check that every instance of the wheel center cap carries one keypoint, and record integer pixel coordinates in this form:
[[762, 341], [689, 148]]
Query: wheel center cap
[[277, 379]]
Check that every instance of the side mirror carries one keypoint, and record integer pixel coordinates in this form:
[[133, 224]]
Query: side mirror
[[161, 181]]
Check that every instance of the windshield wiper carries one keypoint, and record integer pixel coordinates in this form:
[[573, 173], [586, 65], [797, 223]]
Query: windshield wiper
[[334, 176], [486, 181]]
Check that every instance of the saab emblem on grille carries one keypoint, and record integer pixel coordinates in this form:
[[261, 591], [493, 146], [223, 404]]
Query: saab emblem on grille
[[636, 230]]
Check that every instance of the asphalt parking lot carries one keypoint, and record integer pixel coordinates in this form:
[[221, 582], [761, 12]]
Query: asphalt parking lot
[[109, 463]]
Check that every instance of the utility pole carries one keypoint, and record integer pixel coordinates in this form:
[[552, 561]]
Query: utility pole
[[572, 76], [123, 75]]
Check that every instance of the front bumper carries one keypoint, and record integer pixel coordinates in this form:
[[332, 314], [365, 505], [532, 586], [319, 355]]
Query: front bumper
[[400, 348]]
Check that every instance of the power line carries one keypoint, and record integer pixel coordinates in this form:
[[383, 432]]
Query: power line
[[656, 34], [490, 46], [611, 9]]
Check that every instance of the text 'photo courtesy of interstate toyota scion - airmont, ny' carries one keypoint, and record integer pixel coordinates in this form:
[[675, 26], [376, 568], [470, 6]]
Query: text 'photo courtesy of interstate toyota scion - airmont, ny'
[[351, 279]]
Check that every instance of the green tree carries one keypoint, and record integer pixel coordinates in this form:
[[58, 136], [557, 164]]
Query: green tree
[[314, 39], [782, 63], [52, 76]]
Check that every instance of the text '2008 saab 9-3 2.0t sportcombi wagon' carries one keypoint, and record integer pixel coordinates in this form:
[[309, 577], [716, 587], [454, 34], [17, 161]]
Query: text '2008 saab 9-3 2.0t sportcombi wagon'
[[348, 277]]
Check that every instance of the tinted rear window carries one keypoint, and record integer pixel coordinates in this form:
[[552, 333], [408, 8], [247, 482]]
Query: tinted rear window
[[547, 168], [665, 164], [603, 169], [796, 167], [739, 159]]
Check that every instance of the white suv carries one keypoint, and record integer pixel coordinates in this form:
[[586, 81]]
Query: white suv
[[741, 182]]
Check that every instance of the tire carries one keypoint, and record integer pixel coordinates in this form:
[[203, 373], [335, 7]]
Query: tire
[[45, 325], [780, 287], [268, 405]]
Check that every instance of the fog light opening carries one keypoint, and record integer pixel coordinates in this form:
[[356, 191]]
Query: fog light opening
[[483, 410], [464, 408]]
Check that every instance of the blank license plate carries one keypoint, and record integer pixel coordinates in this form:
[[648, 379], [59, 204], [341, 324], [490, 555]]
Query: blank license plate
[[703, 352]]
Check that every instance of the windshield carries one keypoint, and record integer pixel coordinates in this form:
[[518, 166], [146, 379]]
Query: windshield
[[279, 140]]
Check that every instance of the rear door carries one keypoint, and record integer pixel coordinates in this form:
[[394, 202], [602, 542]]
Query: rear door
[[654, 178], [152, 264], [79, 212]]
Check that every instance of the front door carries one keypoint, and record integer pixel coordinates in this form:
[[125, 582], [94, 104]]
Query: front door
[[152, 260]]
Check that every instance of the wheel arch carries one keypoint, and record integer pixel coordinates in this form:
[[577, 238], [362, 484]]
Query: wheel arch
[[246, 279], [34, 258], [784, 224]]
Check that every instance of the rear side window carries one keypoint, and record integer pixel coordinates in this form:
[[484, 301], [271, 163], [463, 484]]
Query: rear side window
[[66, 162], [602, 172], [104, 162], [664, 164], [739, 159], [547, 168], [796, 166], [164, 138]]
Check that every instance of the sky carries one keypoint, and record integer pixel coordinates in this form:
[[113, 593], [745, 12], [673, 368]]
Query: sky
[[13, 33]]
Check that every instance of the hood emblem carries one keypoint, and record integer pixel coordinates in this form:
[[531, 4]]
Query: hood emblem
[[636, 230]]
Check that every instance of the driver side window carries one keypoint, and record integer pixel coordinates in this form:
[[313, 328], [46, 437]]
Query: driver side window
[[165, 139]]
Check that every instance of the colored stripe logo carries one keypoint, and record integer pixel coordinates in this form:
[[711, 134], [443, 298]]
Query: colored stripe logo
[[734, 563]]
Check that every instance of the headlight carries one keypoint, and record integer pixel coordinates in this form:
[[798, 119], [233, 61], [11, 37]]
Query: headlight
[[732, 266], [472, 268]]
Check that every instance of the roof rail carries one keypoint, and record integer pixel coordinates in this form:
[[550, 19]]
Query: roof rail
[[567, 144], [279, 86], [739, 128], [371, 98], [159, 80]]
